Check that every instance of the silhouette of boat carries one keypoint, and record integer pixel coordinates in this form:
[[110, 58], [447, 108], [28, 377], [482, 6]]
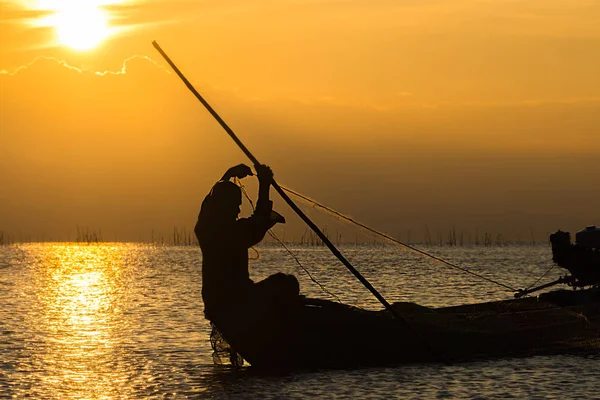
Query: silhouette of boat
[[320, 334]]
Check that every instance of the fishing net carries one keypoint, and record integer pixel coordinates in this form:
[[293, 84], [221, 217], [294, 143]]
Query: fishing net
[[223, 353]]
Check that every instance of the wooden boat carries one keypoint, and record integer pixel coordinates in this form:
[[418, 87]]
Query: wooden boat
[[320, 334]]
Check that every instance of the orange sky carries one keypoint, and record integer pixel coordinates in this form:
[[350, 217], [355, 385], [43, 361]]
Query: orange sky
[[479, 114]]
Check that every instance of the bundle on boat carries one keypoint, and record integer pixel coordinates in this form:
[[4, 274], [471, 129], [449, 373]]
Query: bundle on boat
[[321, 334]]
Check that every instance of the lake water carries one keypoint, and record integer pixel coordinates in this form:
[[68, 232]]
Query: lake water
[[126, 321]]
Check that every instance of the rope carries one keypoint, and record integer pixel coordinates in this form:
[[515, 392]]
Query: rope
[[336, 213], [274, 236], [540, 278]]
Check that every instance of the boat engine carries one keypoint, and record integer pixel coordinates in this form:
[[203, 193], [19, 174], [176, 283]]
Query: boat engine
[[581, 259], [588, 238]]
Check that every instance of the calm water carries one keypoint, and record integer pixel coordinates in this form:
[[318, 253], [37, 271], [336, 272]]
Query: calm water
[[126, 321]]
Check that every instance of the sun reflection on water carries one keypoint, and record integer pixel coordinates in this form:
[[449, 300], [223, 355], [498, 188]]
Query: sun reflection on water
[[79, 295], [111, 320]]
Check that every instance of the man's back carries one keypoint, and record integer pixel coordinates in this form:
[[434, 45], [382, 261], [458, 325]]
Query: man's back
[[224, 244]]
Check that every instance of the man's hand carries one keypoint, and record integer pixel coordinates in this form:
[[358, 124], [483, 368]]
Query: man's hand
[[265, 174], [239, 171], [277, 218]]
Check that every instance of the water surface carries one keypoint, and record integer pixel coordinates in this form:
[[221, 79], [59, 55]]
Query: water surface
[[126, 321]]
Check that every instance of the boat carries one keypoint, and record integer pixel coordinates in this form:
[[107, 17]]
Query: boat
[[321, 334]]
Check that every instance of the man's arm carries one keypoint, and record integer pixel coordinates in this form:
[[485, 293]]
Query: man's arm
[[265, 179], [239, 171], [265, 176], [253, 229]]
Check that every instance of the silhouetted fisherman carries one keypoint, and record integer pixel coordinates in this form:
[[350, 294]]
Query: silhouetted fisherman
[[232, 301]]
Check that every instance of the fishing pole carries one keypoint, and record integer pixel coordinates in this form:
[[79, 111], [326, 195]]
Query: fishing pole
[[298, 211]]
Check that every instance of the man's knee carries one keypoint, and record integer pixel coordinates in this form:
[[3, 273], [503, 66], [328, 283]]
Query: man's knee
[[284, 282], [293, 284]]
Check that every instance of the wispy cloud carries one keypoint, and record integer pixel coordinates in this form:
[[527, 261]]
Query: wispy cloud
[[64, 64], [402, 101], [16, 15]]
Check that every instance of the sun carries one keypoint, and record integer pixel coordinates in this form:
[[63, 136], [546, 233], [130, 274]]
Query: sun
[[81, 26]]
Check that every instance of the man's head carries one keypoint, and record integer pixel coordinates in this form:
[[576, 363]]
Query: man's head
[[227, 199]]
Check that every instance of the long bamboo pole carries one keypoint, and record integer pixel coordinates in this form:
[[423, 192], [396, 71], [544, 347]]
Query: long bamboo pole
[[298, 211]]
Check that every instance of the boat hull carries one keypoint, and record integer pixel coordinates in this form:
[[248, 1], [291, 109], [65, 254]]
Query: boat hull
[[320, 334]]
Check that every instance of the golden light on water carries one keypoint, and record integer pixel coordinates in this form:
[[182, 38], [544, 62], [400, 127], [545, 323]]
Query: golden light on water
[[78, 24], [110, 320], [80, 294]]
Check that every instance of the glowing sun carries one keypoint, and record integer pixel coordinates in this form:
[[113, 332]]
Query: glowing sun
[[81, 26]]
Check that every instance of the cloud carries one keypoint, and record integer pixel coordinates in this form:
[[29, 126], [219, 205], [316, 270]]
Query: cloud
[[403, 99], [12, 14], [22, 68], [66, 65]]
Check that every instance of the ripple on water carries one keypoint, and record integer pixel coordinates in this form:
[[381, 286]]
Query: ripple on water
[[126, 320]]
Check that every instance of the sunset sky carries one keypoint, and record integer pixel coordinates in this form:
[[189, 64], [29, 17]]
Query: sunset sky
[[478, 114]]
